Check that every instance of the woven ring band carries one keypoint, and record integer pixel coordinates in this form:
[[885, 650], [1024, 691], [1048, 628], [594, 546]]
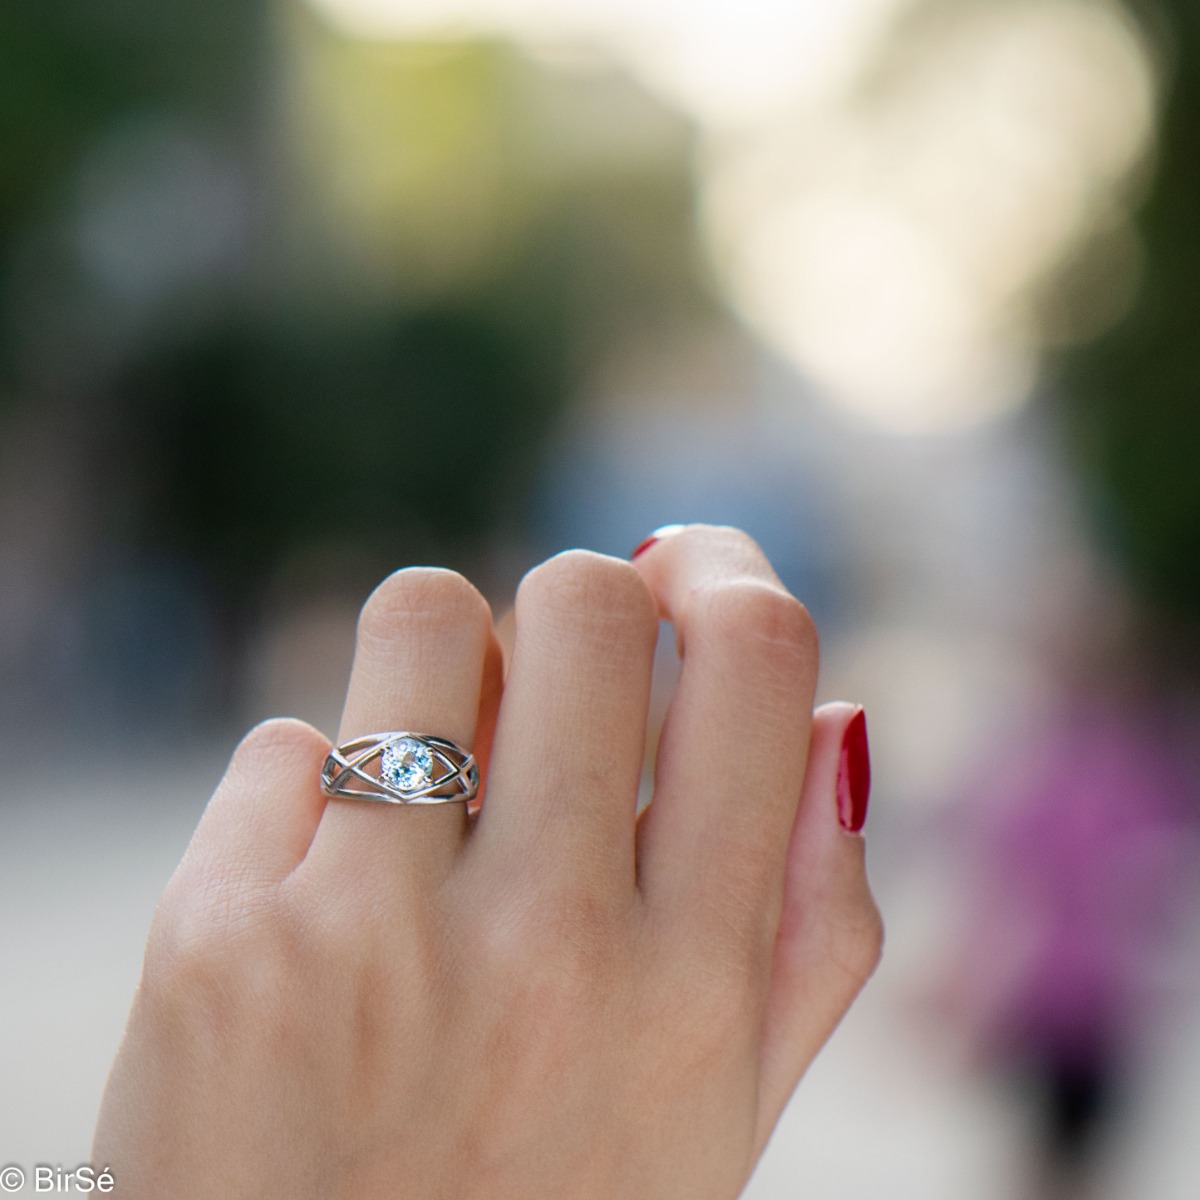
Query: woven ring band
[[401, 768]]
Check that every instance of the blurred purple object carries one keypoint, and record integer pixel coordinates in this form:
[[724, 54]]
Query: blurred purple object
[[1087, 864]]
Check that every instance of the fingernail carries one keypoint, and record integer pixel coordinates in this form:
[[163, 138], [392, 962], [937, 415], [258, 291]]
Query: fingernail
[[854, 775], [663, 531]]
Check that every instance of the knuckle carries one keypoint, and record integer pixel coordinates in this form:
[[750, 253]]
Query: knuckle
[[715, 1005], [732, 538], [354, 936], [754, 612], [578, 587], [854, 940], [377, 972], [865, 939], [739, 920], [197, 950], [428, 596], [218, 984], [719, 1012], [216, 980], [553, 959], [735, 547], [274, 743]]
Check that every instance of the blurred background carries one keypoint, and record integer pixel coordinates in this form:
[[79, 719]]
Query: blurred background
[[295, 293]]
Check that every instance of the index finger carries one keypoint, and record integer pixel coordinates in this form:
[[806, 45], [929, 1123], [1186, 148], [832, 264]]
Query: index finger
[[713, 842]]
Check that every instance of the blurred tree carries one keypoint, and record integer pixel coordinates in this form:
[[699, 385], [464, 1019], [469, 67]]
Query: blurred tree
[[392, 434], [434, 281], [426, 248], [1133, 397], [270, 294], [70, 67]]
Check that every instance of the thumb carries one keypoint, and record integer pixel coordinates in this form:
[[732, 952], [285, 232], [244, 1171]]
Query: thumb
[[830, 932]]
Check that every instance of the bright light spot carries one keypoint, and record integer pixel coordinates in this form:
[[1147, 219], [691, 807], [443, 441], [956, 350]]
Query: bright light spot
[[884, 210], [892, 246], [725, 62], [874, 310]]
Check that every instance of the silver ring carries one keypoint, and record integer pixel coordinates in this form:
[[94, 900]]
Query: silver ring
[[401, 767]]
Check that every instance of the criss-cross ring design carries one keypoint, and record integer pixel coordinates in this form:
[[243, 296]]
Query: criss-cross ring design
[[401, 768]]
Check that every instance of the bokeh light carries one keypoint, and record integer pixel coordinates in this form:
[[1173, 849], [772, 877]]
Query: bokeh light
[[893, 243], [883, 213]]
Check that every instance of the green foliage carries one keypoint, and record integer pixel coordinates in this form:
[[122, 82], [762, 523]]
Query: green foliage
[[1133, 397], [439, 241], [255, 441], [70, 67]]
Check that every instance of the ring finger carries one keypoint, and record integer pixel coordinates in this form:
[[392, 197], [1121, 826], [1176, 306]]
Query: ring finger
[[424, 646]]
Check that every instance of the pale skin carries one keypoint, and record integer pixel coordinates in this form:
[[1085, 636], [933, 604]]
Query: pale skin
[[553, 997]]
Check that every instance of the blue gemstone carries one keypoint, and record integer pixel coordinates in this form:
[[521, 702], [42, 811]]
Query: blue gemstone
[[407, 765]]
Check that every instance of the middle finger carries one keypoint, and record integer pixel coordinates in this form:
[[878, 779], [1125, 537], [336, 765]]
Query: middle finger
[[567, 753]]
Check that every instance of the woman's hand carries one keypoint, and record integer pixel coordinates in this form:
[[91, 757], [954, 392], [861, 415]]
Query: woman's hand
[[551, 999]]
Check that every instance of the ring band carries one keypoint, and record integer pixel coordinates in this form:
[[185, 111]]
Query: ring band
[[401, 767]]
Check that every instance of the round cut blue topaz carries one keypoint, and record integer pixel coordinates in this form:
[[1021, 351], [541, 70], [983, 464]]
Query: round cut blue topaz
[[407, 764]]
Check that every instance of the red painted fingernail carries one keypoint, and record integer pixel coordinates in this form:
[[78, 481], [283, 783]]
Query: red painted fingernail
[[656, 536], [854, 775]]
